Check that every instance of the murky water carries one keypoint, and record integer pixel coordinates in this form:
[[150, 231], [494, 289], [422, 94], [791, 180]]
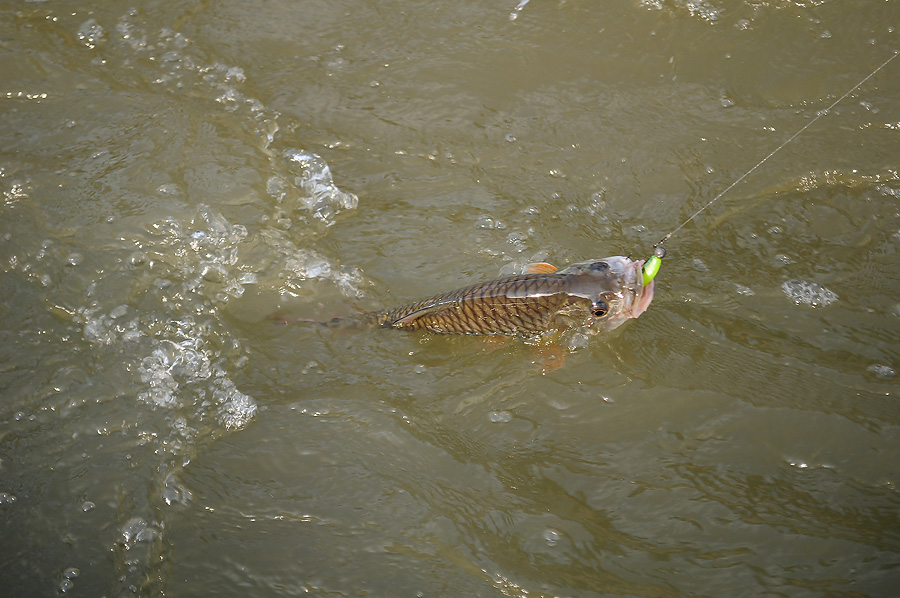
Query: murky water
[[171, 173]]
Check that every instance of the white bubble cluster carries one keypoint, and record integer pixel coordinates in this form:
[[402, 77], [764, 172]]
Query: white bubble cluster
[[315, 189], [885, 372], [205, 254], [300, 265], [170, 366], [500, 417], [91, 33], [696, 8], [66, 582], [186, 358], [136, 531], [810, 293], [235, 409]]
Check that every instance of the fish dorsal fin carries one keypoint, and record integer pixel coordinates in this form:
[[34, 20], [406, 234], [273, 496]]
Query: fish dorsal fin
[[540, 268]]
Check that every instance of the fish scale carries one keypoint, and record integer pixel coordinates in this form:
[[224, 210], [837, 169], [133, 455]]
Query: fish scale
[[518, 304]]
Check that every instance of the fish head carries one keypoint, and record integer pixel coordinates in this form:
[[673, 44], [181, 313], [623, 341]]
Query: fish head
[[606, 292]]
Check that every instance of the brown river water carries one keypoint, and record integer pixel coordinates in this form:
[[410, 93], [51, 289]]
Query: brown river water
[[173, 172]]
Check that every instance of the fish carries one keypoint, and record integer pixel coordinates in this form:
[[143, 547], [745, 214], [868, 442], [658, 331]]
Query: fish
[[596, 295]]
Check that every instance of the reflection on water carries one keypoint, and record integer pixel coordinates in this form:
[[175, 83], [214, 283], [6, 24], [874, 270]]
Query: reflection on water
[[169, 176]]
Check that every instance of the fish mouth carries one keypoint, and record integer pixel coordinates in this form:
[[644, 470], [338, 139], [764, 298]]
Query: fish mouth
[[643, 295]]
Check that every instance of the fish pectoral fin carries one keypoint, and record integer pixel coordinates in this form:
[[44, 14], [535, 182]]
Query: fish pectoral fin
[[540, 268], [413, 316]]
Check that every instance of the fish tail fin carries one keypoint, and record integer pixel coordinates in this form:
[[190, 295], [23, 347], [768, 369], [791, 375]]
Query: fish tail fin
[[281, 318], [361, 320], [372, 319]]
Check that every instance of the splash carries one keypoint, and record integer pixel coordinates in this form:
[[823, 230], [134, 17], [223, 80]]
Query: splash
[[311, 189], [186, 359], [144, 311]]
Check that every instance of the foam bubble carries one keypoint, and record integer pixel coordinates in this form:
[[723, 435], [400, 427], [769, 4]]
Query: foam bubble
[[319, 195], [137, 530], [552, 537], [236, 409], [884, 372], [810, 293], [155, 371], [91, 33], [500, 417], [174, 491], [276, 187], [301, 265], [485, 222], [518, 9], [696, 8]]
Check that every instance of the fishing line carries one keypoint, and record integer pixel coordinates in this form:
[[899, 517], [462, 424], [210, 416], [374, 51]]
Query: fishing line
[[651, 267]]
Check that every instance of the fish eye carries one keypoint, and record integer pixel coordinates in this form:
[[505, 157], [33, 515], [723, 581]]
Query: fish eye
[[599, 308], [599, 266]]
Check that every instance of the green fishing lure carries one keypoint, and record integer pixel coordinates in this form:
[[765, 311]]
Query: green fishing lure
[[651, 266]]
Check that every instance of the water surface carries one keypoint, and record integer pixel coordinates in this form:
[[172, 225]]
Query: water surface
[[171, 174]]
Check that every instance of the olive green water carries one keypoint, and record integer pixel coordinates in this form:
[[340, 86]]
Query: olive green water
[[171, 173]]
